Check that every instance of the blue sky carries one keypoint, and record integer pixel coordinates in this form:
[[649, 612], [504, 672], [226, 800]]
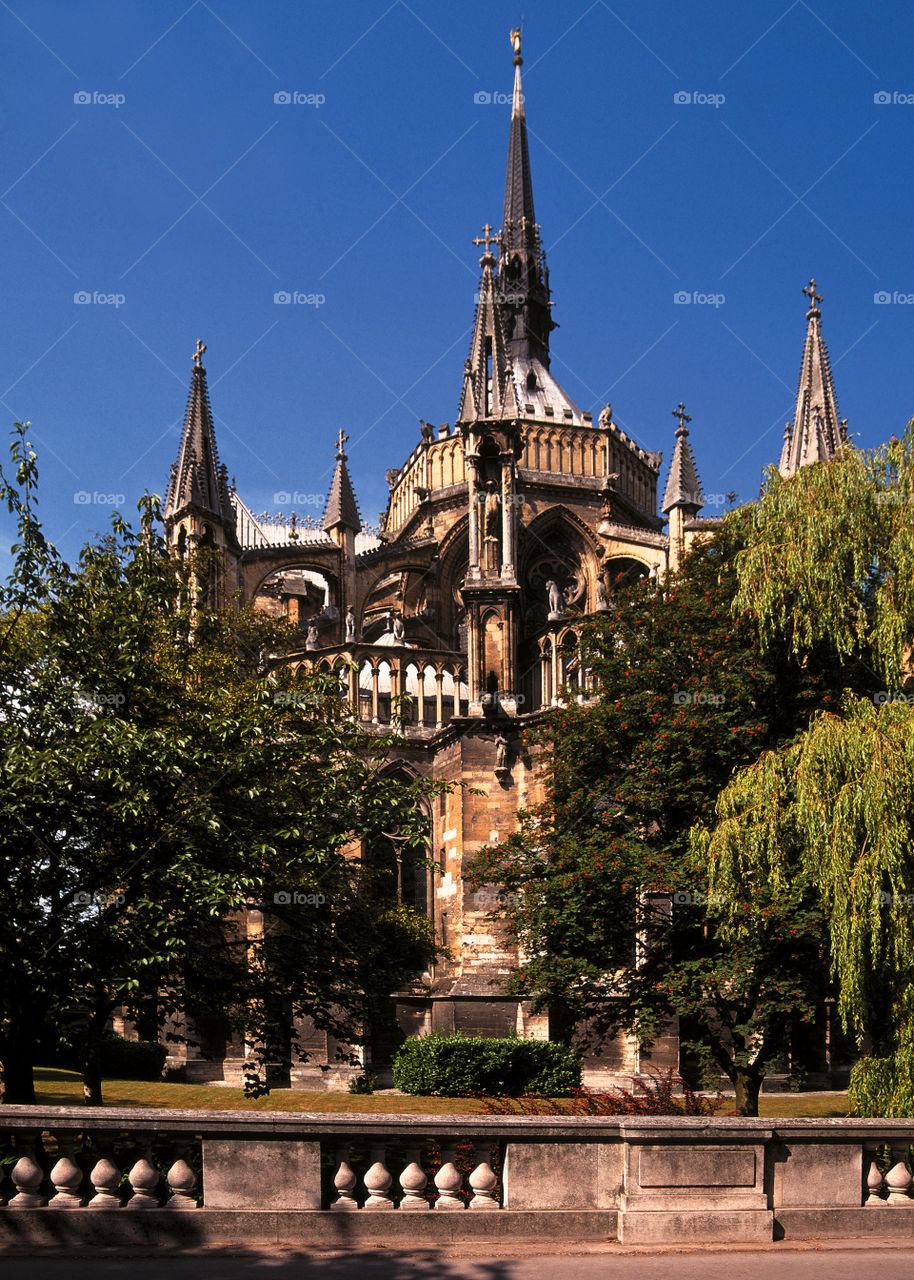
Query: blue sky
[[187, 196]]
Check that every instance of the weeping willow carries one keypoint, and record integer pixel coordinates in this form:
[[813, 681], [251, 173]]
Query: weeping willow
[[830, 556]]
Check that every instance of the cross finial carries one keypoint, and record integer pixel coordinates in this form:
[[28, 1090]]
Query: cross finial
[[487, 239], [680, 413], [340, 442], [814, 298], [198, 354]]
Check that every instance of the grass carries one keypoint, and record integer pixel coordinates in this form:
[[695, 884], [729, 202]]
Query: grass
[[55, 1087]]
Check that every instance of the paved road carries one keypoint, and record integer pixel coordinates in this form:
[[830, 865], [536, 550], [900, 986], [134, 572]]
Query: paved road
[[776, 1263]]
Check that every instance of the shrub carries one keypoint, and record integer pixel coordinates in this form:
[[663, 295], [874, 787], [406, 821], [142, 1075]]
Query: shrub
[[452, 1065], [132, 1059], [364, 1083]]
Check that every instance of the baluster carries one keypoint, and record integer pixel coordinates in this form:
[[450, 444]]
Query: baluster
[[66, 1177], [449, 1181], [27, 1175], [898, 1178], [873, 1178], [482, 1182], [377, 1182], [105, 1178], [182, 1180], [344, 1180], [144, 1179], [413, 1181]]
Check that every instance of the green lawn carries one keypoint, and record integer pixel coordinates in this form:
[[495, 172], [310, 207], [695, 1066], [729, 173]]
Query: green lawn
[[58, 1088]]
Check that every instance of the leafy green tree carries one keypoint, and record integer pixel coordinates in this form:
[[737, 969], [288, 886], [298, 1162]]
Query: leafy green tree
[[828, 566], [615, 916], [178, 812]]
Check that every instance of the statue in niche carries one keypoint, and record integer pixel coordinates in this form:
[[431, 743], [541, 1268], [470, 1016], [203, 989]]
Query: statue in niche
[[501, 755], [350, 625], [398, 630], [311, 637], [492, 525], [556, 600]]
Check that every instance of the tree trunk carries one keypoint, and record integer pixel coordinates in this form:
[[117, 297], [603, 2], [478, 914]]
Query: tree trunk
[[17, 1081], [92, 1063], [747, 1086]]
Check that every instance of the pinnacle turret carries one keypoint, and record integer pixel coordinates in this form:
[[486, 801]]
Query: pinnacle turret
[[816, 433], [198, 480], [342, 510], [683, 487], [488, 380]]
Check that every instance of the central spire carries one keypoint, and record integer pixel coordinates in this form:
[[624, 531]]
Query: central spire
[[522, 276]]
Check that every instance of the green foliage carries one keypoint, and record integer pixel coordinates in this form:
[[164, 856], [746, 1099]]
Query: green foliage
[[160, 775], [453, 1065], [685, 696], [364, 1083], [885, 1086]]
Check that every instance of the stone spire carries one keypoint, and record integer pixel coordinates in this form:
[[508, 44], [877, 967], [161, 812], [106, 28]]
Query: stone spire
[[198, 480], [342, 510], [522, 276], [683, 487], [488, 379], [816, 433]]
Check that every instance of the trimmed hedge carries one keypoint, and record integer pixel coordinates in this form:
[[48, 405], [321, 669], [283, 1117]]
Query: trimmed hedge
[[132, 1059], [452, 1065]]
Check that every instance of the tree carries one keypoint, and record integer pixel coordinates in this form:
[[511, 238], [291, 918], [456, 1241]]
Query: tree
[[615, 916], [178, 811], [828, 563]]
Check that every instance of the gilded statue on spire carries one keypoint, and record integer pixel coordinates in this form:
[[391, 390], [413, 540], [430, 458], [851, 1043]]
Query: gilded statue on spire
[[515, 44]]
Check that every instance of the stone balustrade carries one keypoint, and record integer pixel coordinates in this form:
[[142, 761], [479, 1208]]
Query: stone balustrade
[[294, 1178]]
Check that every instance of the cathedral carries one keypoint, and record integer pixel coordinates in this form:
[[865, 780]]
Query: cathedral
[[458, 617]]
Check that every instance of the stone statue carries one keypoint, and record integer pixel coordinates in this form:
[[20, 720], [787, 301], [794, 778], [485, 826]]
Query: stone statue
[[492, 524], [350, 625], [501, 754], [556, 600], [398, 630], [311, 637]]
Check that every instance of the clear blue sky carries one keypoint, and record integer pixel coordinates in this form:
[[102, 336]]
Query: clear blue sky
[[198, 197]]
